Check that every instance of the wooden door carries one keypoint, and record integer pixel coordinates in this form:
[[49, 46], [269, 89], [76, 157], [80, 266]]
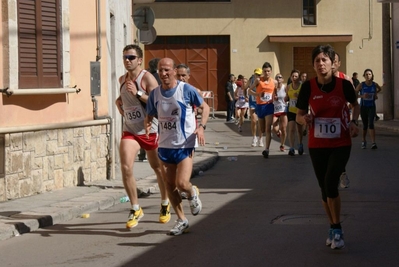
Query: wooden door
[[208, 58], [303, 60]]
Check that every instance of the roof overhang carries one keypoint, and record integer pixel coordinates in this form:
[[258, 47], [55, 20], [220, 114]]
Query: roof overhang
[[343, 38]]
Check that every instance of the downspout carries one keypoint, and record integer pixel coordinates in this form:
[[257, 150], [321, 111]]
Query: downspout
[[98, 15], [370, 25], [110, 131]]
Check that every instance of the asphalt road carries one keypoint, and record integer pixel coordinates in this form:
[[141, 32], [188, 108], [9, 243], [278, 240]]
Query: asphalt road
[[257, 212]]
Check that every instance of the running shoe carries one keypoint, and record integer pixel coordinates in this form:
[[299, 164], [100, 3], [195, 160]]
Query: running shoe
[[344, 180], [197, 192], [134, 218], [364, 145], [330, 237], [183, 195], [164, 215], [239, 128], [338, 239], [195, 203], [265, 153], [282, 149], [373, 146], [300, 149], [254, 141], [260, 142], [179, 228], [291, 152]]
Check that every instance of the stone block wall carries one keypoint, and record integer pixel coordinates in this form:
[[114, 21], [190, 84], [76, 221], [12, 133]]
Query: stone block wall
[[40, 161]]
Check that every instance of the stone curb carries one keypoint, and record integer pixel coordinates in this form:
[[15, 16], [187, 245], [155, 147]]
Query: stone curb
[[106, 197]]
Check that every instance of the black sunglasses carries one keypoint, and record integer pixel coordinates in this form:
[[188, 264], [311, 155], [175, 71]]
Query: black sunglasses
[[130, 57], [279, 77]]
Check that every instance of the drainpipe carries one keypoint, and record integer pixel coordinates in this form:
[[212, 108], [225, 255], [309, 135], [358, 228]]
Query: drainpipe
[[98, 15], [110, 134], [110, 131], [370, 26]]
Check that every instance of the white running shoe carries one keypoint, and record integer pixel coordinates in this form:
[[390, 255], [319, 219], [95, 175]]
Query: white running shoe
[[195, 204], [260, 142], [254, 141], [330, 237], [338, 239], [179, 228], [344, 180]]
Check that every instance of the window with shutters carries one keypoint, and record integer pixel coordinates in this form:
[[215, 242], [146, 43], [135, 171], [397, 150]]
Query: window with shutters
[[39, 43]]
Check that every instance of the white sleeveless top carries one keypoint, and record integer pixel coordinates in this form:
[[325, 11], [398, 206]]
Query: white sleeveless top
[[176, 120], [280, 105], [241, 102], [134, 111]]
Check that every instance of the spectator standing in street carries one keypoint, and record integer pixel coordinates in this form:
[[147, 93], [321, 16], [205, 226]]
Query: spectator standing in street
[[368, 91], [172, 102], [229, 95], [135, 86], [330, 132]]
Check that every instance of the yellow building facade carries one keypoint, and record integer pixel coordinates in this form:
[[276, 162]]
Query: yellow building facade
[[278, 32]]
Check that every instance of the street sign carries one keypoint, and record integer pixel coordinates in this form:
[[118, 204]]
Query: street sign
[[143, 18]]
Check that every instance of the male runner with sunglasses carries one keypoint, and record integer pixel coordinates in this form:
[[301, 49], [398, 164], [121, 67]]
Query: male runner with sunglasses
[[135, 86]]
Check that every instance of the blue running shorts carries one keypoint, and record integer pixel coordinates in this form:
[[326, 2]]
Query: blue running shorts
[[174, 156]]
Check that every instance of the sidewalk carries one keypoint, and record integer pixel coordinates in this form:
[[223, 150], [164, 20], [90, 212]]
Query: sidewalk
[[31, 213]]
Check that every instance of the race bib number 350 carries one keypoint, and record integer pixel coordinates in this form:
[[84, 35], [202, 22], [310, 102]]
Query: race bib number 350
[[327, 128], [134, 114]]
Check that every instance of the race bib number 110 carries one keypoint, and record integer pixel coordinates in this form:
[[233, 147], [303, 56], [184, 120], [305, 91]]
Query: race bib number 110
[[327, 128]]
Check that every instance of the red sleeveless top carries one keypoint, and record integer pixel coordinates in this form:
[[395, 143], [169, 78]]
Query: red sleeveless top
[[331, 118]]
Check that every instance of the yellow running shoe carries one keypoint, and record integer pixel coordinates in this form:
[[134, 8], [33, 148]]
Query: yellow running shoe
[[134, 218], [164, 215], [196, 189]]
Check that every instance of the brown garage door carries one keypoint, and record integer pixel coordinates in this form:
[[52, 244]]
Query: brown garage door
[[207, 56], [303, 60]]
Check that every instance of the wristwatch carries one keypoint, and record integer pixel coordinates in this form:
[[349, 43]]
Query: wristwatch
[[139, 94], [355, 122], [202, 125]]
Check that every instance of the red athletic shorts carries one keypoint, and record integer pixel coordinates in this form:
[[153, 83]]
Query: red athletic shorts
[[149, 143]]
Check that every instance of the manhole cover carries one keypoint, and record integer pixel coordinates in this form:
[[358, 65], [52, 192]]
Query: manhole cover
[[303, 219]]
